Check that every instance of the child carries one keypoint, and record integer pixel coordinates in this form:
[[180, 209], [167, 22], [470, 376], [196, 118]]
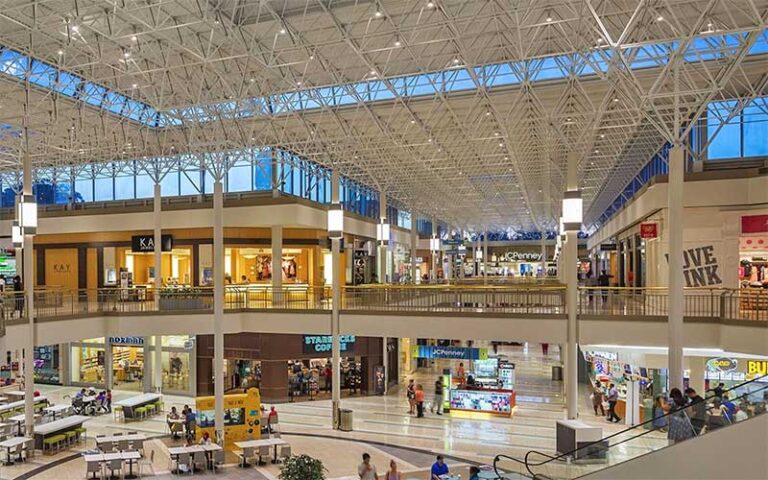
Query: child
[[109, 401]]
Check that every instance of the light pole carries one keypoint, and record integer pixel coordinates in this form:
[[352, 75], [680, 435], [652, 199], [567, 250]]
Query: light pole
[[572, 218], [336, 233]]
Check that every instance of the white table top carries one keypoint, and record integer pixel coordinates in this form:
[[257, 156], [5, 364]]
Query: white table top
[[21, 418], [112, 438], [57, 408], [105, 457], [20, 403], [577, 424], [64, 423], [15, 394], [13, 441], [3, 399], [139, 400], [193, 448], [264, 442]]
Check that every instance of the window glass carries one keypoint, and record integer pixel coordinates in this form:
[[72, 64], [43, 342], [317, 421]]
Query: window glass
[[263, 171], [124, 188], [169, 186], [725, 142], [87, 365], [84, 189], [239, 179], [103, 189], [756, 128], [190, 182], [145, 186], [176, 371]]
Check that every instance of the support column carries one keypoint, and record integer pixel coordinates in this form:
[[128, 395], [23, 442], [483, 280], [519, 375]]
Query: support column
[[218, 308], [675, 234], [414, 246], [570, 275], [335, 307], [385, 362], [697, 367], [28, 281], [485, 257], [157, 364], [433, 270], [381, 249], [277, 264], [109, 379], [544, 254]]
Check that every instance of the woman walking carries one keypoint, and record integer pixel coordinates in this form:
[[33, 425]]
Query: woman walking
[[410, 393], [680, 427], [597, 398]]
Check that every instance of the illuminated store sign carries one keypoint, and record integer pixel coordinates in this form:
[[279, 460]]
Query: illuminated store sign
[[324, 343], [133, 341], [452, 353], [146, 243], [722, 364], [757, 367]]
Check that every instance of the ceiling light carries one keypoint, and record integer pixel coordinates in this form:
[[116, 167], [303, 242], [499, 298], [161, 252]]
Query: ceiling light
[[568, 119], [430, 4], [487, 114], [597, 151], [252, 80], [126, 54], [602, 135], [298, 84], [397, 44], [61, 52], [134, 38], [282, 31], [506, 158], [659, 18], [599, 40], [134, 85], [373, 73], [429, 140], [549, 19], [413, 121], [378, 14], [501, 144], [311, 57], [75, 28], [615, 99], [455, 61]]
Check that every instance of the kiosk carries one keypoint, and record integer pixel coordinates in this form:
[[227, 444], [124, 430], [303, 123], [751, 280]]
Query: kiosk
[[242, 417]]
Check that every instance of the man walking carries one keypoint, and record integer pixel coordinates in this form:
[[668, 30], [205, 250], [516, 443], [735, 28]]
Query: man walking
[[698, 410], [366, 470], [438, 405], [613, 397]]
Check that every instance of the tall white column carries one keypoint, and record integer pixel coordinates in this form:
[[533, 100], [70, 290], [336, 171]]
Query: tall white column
[[158, 281], [433, 270], [277, 264], [485, 257], [385, 362], [675, 230], [28, 281], [570, 276], [381, 249], [218, 307], [335, 308], [414, 245], [543, 254]]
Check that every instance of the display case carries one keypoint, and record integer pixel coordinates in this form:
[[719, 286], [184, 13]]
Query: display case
[[496, 402]]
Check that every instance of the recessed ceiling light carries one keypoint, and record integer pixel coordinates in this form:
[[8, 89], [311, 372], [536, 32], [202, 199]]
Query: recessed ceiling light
[[496, 133], [568, 119], [599, 40], [549, 19], [61, 52], [126, 54], [597, 151], [659, 18], [413, 121], [430, 4], [455, 61], [501, 144], [373, 72], [311, 57], [298, 84], [134, 85], [615, 99], [378, 14], [282, 31], [134, 38], [506, 158], [397, 44], [252, 80], [429, 140], [75, 28], [487, 114], [602, 135]]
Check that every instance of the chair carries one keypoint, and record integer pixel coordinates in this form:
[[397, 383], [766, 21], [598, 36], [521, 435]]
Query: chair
[[124, 445], [118, 434], [199, 458], [245, 455], [285, 452], [140, 412], [138, 445], [149, 409], [100, 436], [183, 459], [17, 452], [117, 413], [81, 433], [263, 453], [147, 462], [218, 458], [29, 448], [53, 441], [115, 465], [159, 406], [71, 436], [94, 468]]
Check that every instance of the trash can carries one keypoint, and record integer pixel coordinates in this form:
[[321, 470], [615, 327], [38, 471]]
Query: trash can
[[345, 420], [557, 373]]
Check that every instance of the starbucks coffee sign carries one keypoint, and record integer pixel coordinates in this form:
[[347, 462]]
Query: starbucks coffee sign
[[520, 257]]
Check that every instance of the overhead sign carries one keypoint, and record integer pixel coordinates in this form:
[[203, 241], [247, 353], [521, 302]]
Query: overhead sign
[[134, 341], [608, 247], [722, 364], [649, 230], [454, 353], [146, 243], [754, 224], [520, 256], [324, 343]]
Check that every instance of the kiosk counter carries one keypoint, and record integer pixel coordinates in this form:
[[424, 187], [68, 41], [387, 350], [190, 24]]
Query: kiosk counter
[[485, 400], [242, 417]]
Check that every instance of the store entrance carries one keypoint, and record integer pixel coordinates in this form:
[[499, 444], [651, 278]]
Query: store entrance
[[242, 374], [311, 379], [128, 367]]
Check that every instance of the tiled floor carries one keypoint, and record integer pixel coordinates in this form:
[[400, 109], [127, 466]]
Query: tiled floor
[[384, 429]]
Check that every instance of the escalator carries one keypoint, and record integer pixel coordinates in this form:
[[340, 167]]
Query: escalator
[[730, 445]]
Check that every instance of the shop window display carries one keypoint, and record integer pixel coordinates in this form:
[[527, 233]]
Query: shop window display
[[87, 364], [47, 368], [256, 265], [128, 367], [308, 377]]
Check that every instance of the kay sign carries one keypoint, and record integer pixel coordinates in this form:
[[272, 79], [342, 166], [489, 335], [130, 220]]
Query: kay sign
[[649, 230]]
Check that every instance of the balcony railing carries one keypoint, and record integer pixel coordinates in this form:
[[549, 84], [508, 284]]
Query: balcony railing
[[535, 301]]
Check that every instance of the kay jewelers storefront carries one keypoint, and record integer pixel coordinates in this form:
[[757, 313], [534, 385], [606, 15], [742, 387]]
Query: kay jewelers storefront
[[126, 363]]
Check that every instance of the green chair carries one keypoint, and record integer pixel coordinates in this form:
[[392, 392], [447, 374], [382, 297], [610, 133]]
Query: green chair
[[53, 441], [159, 406], [150, 409], [140, 412], [81, 431], [71, 437], [118, 413]]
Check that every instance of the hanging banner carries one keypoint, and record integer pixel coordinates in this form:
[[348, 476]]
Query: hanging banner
[[455, 353], [649, 230], [754, 224]]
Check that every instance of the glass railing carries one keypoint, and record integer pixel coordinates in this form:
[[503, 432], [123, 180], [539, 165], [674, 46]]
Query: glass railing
[[514, 299], [713, 412]]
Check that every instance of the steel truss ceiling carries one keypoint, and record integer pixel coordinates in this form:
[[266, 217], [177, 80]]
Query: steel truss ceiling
[[491, 155]]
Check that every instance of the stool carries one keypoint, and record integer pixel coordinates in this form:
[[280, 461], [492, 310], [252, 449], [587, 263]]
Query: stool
[[150, 409], [71, 437], [80, 433], [118, 413], [140, 412], [53, 440], [159, 406]]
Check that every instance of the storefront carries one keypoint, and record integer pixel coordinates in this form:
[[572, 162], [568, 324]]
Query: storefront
[[753, 252], [290, 367], [249, 265], [48, 365]]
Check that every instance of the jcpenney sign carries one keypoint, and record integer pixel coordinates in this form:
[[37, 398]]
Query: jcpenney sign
[[520, 256]]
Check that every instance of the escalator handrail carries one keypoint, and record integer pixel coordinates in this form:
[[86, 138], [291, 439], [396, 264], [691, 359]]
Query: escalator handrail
[[550, 458]]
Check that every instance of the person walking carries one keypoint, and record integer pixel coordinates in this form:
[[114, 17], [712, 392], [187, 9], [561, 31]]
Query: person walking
[[438, 405], [328, 374], [597, 398], [419, 401], [604, 281], [613, 398], [657, 412], [697, 410], [393, 474], [410, 393], [366, 470]]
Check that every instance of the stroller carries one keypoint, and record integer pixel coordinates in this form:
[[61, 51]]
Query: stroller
[[79, 407]]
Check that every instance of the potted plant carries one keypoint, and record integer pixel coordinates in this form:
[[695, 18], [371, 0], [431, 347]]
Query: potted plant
[[302, 467]]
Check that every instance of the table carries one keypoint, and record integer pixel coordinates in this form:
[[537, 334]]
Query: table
[[3, 399], [265, 442], [116, 438], [130, 404], [12, 443], [57, 426], [208, 449], [20, 404], [19, 420], [17, 395], [106, 457], [54, 409]]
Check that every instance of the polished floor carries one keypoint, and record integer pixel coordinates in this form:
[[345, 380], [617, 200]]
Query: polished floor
[[383, 428]]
